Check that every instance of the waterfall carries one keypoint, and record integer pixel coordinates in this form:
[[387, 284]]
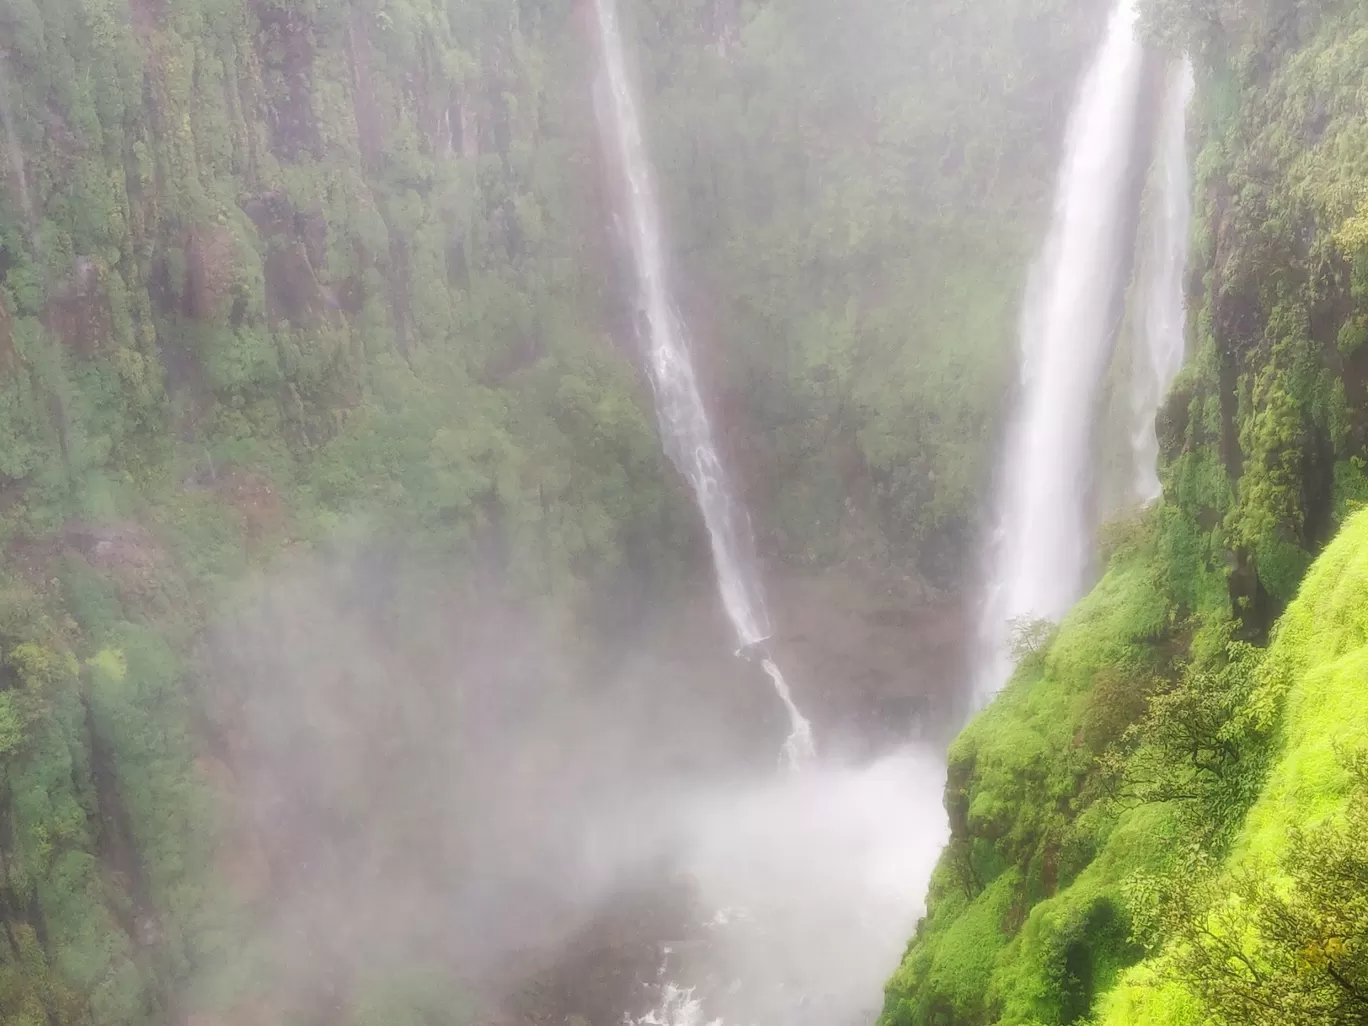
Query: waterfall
[[1041, 549], [684, 426], [1162, 335]]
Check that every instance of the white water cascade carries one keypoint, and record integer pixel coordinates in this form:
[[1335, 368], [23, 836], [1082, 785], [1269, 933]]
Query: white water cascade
[[1042, 547], [1162, 335], [684, 424]]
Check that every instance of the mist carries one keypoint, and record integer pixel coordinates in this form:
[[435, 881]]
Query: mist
[[430, 780]]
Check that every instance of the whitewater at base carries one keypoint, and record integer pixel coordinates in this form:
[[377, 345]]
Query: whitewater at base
[[808, 885]]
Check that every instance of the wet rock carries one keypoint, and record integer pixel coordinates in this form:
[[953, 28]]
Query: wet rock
[[293, 291], [296, 248], [256, 498], [127, 554], [212, 268], [873, 660], [78, 310], [240, 857], [285, 48]]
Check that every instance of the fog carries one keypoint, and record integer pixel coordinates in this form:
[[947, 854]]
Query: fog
[[431, 780]]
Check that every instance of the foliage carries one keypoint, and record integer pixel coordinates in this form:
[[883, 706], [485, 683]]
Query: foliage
[[1197, 743], [854, 213], [1211, 752], [1029, 825], [270, 272], [1182, 840], [1278, 945], [1029, 637]]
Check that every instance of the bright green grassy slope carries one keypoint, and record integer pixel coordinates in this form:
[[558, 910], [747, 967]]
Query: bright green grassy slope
[[1316, 674], [1026, 894], [1035, 907]]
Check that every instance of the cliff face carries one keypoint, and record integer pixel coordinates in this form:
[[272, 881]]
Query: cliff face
[[266, 269], [247, 234], [855, 193], [1116, 851]]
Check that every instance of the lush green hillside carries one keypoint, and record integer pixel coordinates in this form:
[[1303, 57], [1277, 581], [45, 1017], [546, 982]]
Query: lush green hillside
[[274, 272], [1144, 843], [265, 268], [1155, 822]]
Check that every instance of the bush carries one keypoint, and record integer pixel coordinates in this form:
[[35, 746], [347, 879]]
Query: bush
[[1281, 945]]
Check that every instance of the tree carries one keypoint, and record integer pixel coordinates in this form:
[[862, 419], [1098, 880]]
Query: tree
[[1195, 745], [1282, 948], [1029, 638]]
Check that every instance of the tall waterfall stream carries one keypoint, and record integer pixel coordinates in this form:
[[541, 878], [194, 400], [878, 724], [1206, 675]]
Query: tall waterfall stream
[[684, 425], [1042, 547]]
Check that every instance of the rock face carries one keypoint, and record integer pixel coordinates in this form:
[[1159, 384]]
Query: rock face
[[877, 661], [8, 357], [127, 554], [78, 310]]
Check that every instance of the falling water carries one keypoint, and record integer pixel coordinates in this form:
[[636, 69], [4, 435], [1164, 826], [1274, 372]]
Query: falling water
[[810, 881], [1041, 549], [684, 424], [1159, 357]]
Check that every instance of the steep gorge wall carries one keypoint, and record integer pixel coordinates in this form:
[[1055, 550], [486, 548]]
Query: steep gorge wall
[[270, 271], [267, 270], [239, 234]]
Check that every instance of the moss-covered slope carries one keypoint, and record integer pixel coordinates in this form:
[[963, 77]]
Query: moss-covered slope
[[1069, 826], [1138, 820]]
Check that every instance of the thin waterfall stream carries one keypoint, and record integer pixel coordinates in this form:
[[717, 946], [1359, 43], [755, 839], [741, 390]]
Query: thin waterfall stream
[[807, 883], [684, 425], [14, 151]]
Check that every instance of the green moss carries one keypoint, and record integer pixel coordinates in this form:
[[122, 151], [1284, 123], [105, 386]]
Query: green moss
[[955, 974], [1351, 487], [1313, 687], [1024, 782], [1025, 817]]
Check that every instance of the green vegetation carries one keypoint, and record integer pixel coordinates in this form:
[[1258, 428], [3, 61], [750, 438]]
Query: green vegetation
[[1140, 838], [280, 272], [1159, 821]]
